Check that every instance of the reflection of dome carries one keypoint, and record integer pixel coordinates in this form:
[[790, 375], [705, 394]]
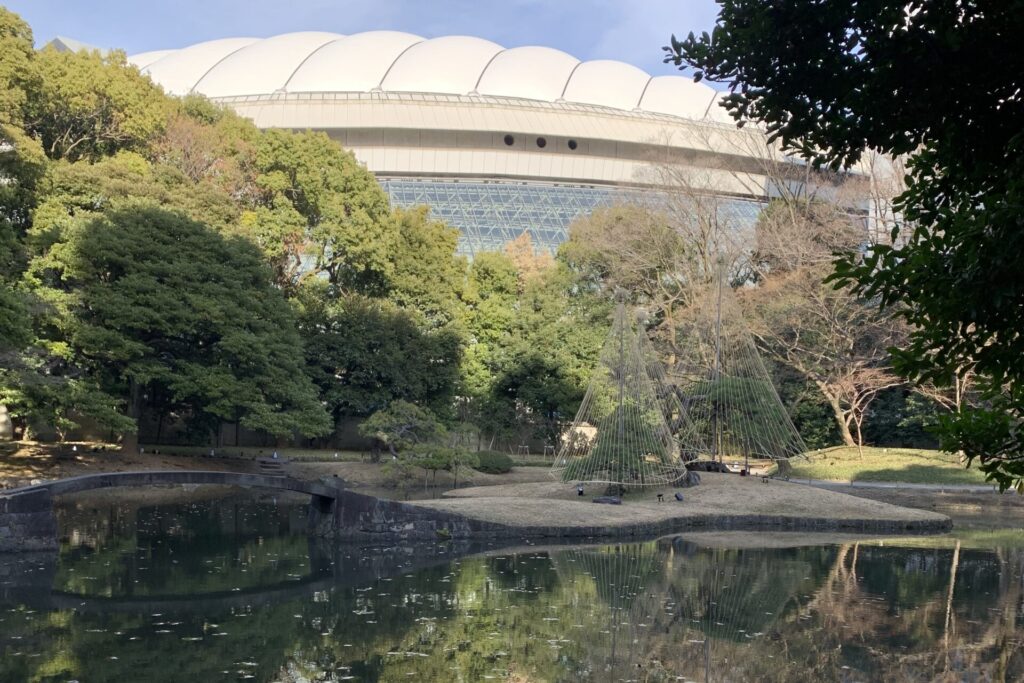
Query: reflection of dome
[[497, 141], [390, 61]]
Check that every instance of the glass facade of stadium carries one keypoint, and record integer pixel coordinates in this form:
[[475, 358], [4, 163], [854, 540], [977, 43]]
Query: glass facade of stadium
[[491, 214]]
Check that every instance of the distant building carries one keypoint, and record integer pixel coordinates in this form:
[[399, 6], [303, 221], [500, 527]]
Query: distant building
[[495, 140], [62, 44]]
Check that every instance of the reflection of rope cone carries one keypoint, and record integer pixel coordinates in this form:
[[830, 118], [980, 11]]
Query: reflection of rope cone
[[620, 435], [626, 580], [714, 602], [727, 599]]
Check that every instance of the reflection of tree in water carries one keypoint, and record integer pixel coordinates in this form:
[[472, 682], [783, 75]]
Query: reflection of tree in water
[[928, 613]]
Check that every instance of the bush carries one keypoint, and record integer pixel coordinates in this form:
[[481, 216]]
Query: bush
[[493, 462]]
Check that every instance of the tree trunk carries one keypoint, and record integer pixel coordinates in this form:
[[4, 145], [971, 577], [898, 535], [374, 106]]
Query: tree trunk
[[6, 425], [860, 436], [837, 413], [159, 426], [130, 440]]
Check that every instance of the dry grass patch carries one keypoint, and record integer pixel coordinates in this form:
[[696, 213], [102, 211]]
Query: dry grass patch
[[556, 504]]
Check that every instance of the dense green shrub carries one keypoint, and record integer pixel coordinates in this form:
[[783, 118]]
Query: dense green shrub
[[493, 462]]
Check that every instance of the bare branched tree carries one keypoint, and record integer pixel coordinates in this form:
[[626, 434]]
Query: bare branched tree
[[836, 341], [832, 338], [636, 249]]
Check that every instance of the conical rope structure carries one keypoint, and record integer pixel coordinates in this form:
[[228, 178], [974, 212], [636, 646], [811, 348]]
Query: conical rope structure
[[731, 410], [620, 434]]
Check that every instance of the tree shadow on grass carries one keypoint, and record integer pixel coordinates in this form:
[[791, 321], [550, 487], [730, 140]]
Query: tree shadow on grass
[[923, 474]]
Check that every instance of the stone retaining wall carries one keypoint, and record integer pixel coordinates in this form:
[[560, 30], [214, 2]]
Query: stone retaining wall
[[27, 522], [357, 517]]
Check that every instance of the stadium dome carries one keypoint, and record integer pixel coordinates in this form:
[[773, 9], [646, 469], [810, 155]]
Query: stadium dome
[[496, 140]]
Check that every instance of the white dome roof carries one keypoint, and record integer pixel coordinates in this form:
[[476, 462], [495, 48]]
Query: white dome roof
[[677, 96], [180, 70], [273, 60], [392, 61], [144, 59]]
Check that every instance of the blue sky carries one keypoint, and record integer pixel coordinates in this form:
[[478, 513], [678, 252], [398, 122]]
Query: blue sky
[[629, 30]]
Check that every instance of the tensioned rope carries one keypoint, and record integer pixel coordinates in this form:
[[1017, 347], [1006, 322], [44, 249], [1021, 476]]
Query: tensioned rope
[[620, 434], [733, 410]]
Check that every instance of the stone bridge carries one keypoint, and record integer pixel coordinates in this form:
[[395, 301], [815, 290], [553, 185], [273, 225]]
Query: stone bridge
[[27, 520]]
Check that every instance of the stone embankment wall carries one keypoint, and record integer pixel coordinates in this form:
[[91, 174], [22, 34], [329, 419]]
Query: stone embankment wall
[[27, 522], [357, 517]]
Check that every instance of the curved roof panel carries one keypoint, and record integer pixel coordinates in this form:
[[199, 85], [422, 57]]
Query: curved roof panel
[[716, 112], [263, 66], [144, 59], [179, 71], [393, 61], [450, 65], [677, 96], [355, 63], [608, 83], [533, 73]]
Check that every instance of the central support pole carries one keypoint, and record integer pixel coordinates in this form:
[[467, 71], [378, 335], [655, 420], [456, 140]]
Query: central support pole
[[716, 446], [622, 393]]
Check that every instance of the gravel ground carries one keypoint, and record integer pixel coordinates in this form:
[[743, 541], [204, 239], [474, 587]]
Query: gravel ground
[[556, 504]]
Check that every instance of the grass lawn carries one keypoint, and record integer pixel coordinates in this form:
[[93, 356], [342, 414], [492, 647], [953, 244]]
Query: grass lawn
[[905, 465]]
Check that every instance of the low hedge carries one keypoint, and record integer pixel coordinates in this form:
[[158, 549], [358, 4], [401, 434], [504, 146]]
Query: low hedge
[[494, 462]]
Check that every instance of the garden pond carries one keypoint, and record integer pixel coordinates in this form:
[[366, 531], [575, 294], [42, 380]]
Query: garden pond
[[233, 589]]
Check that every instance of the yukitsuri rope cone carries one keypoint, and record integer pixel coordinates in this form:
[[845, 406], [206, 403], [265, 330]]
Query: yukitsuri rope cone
[[620, 436], [731, 411]]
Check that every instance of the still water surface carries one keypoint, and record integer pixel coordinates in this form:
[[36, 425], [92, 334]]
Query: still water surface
[[234, 590]]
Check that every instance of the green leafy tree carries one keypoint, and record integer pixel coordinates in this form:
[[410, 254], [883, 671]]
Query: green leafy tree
[[141, 298], [432, 458], [639, 251], [22, 165], [364, 353], [832, 79], [88, 105], [546, 364], [401, 426], [427, 276], [490, 299], [620, 454], [71, 192], [317, 202]]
